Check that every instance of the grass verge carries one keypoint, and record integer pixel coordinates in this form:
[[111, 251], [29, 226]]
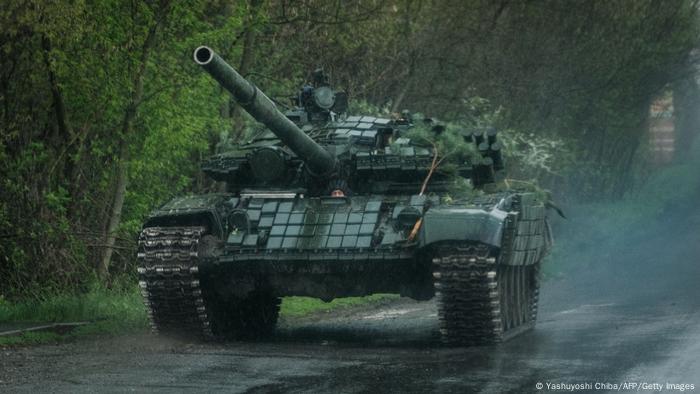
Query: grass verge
[[121, 311], [303, 306], [30, 338], [110, 311]]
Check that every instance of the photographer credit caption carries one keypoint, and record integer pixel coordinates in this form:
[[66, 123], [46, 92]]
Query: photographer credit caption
[[620, 386]]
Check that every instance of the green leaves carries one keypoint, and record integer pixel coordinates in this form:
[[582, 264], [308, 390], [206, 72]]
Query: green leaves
[[449, 143], [57, 186]]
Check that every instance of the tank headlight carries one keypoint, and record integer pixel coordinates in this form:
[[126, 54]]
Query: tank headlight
[[238, 220]]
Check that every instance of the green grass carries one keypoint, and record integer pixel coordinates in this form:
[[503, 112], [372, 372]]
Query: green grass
[[114, 312], [110, 311], [30, 338], [123, 307], [302, 306]]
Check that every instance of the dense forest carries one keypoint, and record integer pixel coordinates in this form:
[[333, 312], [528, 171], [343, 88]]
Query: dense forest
[[104, 116]]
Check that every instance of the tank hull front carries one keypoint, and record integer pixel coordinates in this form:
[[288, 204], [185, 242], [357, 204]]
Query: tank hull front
[[267, 246]]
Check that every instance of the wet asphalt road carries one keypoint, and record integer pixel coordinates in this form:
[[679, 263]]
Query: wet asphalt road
[[633, 317]]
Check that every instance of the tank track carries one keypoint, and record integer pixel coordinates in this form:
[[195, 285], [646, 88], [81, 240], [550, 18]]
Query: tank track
[[480, 301], [168, 269]]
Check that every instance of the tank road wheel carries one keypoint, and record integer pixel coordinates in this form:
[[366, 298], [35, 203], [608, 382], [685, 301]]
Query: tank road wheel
[[479, 301], [252, 317]]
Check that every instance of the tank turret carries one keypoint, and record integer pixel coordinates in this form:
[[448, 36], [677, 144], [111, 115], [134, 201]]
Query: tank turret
[[318, 160]]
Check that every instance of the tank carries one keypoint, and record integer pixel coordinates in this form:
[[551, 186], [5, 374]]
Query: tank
[[325, 204]]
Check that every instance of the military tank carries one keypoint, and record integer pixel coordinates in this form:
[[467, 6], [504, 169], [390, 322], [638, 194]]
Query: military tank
[[327, 205]]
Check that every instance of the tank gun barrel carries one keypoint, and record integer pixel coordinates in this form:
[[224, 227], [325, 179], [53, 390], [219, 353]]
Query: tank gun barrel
[[259, 106]]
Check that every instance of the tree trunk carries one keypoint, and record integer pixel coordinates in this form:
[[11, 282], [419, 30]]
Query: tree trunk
[[66, 146], [247, 58], [412, 55], [58, 103], [116, 214], [686, 105], [130, 114], [405, 87]]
